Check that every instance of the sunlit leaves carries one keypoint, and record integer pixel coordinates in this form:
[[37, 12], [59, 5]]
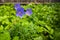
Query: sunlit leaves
[[43, 19]]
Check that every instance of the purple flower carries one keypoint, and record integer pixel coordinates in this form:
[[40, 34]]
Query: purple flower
[[20, 12], [28, 12], [17, 6]]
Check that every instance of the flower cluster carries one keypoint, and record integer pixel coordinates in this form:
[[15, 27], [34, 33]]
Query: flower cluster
[[20, 11]]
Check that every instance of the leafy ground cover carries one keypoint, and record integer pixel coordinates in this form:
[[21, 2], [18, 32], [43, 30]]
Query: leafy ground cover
[[43, 24]]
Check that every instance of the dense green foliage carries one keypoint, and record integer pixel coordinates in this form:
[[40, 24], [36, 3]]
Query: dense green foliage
[[43, 24]]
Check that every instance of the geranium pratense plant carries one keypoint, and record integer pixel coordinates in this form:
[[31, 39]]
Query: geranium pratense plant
[[17, 6], [28, 12], [20, 11]]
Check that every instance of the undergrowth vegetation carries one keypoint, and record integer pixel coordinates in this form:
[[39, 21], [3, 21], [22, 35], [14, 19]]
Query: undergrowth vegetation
[[43, 24]]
